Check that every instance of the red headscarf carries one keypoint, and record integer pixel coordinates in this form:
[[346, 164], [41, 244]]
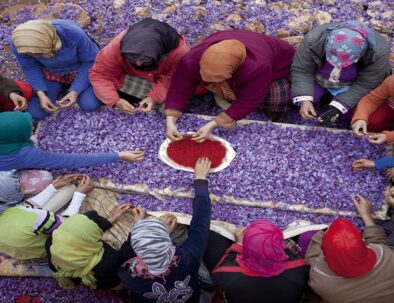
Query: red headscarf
[[263, 249], [345, 251]]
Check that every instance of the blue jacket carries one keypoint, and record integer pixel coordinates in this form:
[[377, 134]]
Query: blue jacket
[[77, 54]]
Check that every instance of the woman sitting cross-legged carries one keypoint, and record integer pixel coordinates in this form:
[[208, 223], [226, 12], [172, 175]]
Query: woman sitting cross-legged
[[55, 54], [248, 69], [138, 65], [260, 267], [347, 266], [17, 151], [161, 271]]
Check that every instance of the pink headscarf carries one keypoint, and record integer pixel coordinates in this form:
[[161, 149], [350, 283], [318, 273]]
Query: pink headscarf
[[263, 249]]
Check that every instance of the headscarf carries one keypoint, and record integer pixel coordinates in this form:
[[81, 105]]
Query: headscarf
[[15, 131], [10, 189], [263, 249], [147, 41], [152, 244], [76, 249], [219, 62], [345, 251], [347, 43], [36, 37]]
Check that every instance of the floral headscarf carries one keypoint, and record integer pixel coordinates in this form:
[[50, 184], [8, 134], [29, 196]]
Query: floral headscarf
[[347, 43]]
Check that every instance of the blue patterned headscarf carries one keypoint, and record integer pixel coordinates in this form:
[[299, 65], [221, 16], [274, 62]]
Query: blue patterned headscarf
[[347, 42]]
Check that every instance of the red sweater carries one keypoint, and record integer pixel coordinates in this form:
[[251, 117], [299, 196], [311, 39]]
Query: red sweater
[[110, 68], [268, 59]]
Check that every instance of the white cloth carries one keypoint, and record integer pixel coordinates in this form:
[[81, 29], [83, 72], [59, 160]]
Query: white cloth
[[43, 197]]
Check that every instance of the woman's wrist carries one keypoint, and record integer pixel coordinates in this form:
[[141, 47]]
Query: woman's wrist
[[40, 94], [171, 120]]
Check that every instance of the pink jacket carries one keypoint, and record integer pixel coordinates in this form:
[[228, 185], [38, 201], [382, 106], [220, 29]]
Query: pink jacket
[[110, 68]]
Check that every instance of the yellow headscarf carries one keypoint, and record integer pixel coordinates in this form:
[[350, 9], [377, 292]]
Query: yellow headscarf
[[76, 249], [36, 37]]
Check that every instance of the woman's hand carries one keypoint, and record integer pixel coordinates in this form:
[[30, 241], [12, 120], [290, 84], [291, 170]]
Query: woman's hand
[[390, 174], [201, 169], [131, 156], [65, 180], [85, 186], [138, 214], [204, 132], [364, 208], [124, 106], [363, 163], [169, 221], [389, 196], [377, 139], [118, 212], [68, 100], [360, 127], [45, 103], [146, 105], [19, 101], [307, 110], [172, 131]]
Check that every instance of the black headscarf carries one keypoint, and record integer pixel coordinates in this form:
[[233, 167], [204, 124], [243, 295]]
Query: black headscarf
[[147, 41]]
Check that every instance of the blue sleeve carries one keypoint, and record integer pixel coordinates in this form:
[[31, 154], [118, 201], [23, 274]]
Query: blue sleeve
[[32, 70], [33, 157], [197, 237], [384, 163], [86, 52]]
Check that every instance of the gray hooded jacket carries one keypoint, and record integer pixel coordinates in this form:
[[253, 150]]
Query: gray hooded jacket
[[373, 67]]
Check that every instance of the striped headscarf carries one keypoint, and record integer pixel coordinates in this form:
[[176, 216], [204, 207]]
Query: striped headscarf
[[36, 37], [152, 244]]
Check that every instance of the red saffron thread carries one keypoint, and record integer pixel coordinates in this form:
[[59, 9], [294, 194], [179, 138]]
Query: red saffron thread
[[185, 152]]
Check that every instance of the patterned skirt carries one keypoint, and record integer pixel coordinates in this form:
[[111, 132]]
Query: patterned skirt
[[277, 100], [136, 86]]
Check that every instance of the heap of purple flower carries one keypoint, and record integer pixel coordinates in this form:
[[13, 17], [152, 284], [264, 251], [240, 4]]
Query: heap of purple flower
[[309, 167]]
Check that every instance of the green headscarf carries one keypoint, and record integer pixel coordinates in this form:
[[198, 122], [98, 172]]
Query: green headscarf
[[76, 249], [15, 131]]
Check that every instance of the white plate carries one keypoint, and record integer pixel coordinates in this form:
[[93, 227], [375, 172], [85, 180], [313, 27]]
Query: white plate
[[228, 157]]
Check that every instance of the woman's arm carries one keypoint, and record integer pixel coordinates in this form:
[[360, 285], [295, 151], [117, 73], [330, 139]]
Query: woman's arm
[[106, 69], [86, 52], [32, 70], [32, 157]]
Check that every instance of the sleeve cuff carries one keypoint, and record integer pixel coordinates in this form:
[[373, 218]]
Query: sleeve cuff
[[389, 135], [172, 113], [225, 120], [299, 99], [154, 98], [201, 187], [342, 107], [380, 164]]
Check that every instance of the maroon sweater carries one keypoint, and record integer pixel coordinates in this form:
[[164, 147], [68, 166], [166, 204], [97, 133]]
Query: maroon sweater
[[268, 59]]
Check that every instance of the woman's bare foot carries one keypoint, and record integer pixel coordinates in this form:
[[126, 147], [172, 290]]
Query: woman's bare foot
[[201, 170]]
